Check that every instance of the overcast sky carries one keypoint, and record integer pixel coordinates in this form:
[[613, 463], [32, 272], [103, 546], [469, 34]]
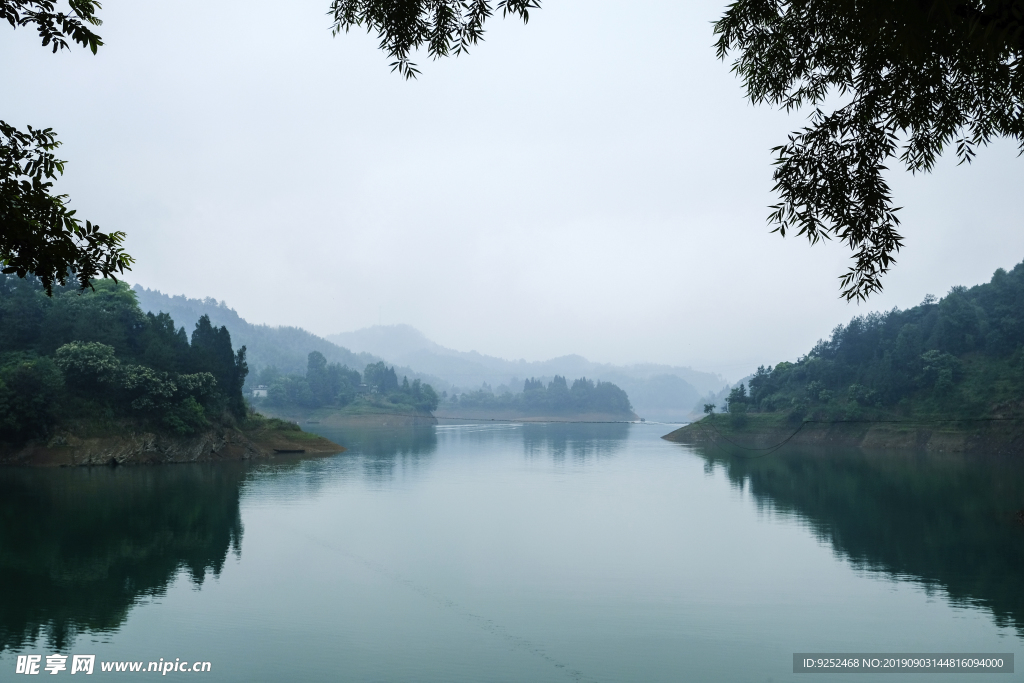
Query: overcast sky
[[593, 182]]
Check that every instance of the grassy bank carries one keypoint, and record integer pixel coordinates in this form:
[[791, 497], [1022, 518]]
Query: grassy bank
[[273, 434]]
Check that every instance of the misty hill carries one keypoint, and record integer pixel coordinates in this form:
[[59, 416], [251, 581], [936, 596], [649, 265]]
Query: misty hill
[[657, 392], [286, 348]]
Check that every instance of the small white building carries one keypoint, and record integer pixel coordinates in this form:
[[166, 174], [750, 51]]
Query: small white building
[[260, 391]]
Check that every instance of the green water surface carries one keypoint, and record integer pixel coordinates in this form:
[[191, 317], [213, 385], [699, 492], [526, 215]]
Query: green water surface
[[514, 553]]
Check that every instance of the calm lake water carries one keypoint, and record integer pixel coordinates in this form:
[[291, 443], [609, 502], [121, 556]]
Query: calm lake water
[[514, 553]]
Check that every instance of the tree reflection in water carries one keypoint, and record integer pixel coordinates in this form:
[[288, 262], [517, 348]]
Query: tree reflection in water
[[379, 450], [943, 520], [581, 441], [79, 547]]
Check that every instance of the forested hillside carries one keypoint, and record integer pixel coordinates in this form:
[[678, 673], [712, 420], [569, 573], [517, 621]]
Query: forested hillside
[[961, 356], [95, 358], [285, 349]]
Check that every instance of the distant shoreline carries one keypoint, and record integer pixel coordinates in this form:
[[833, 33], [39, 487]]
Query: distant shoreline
[[515, 416], [361, 414]]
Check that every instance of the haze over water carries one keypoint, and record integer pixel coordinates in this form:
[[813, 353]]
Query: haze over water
[[514, 553]]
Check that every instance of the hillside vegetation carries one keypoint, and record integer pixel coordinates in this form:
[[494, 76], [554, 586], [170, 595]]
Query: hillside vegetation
[[87, 377], [959, 357], [95, 357]]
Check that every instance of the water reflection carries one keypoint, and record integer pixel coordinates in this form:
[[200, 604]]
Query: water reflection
[[381, 450], [79, 547], [942, 520], [579, 441]]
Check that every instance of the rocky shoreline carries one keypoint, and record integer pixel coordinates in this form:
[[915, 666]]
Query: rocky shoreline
[[148, 448], [948, 436]]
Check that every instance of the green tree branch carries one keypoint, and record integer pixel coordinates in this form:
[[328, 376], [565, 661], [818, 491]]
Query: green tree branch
[[40, 234]]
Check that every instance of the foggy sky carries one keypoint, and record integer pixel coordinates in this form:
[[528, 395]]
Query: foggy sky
[[593, 182]]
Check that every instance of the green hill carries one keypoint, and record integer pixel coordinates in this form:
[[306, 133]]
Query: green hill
[[956, 363], [87, 372]]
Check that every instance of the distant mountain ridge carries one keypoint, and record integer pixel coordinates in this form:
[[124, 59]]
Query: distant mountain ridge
[[658, 392], [286, 348]]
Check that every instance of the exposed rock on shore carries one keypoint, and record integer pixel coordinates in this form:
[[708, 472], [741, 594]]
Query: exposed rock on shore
[[765, 431], [142, 447]]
